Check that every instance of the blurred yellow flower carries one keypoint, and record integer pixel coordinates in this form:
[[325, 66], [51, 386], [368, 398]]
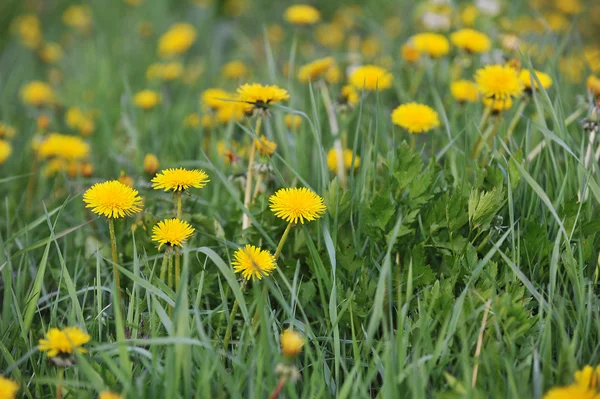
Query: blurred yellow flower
[[113, 199], [64, 342], [333, 75], [464, 91], [297, 205], [7, 131], [302, 14], [151, 164], [257, 96], [214, 98], [8, 388], [370, 47], [63, 146], [75, 118], [275, 33], [500, 82], [5, 150], [109, 394], [234, 70], [529, 81], [329, 35], [50, 53], [192, 120], [593, 84], [172, 232], [570, 7], [371, 78], [315, 70], [37, 93], [409, 53], [291, 343], [431, 44], [253, 262], [264, 146], [471, 40], [347, 154], [146, 99], [179, 179], [78, 17], [27, 27], [571, 392], [349, 96], [415, 118], [592, 56], [498, 105], [165, 71], [469, 15], [292, 121], [177, 40]]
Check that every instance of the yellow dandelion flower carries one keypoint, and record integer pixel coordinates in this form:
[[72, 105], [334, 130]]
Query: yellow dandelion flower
[[151, 164], [370, 47], [471, 40], [112, 199], [588, 377], [333, 75], [171, 71], [173, 232], [570, 7], [297, 205], [499, 82], [50, 53], [469, 14], [572, 392], [177, 40], [214, 98], [208, 121], [67, 147], [332, 160], [256, 95], [409, 53], [78, 17], [292, 121], [109, 394], [264, 146], [371, 78], [431, 44], [593, 84], [498, 105], [8, 388], [529, 81], [27, 27], [415, 118], [37, 93], [234, 70], [192, 120], [291, 343], [302, 14], [146, 99], [55, 166], [464, 91], [329, 35], [231, 111], [64, 342], [179, 179], [316, 69], [7, 131], [349, 96], [5, 151], [253, 262]]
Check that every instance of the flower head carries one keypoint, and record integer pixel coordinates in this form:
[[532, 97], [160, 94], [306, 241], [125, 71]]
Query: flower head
[[316, 69], [529, 81], [146, 99], [109, 395], [297, 205], [71, 148], [5, 151], [177, 40], [234, 70], [415, 118], [371, 78], [64, 342], [431, 44], [291, 343], [471, 40], [593, 84], [264, 146], [572, 392], [302, 14], [256, 95], [37, 93], [347, 155], [588, 377], [172, 232], [179, 179], [151, 164], [78, 17], [464, 91], [499, 82], [215, 98], [329, 35], [409, 53], [7, 131], [252, 262], [112, 199], [27, 27], [349, 96], [50, 53], [292, 121], [8, 388]]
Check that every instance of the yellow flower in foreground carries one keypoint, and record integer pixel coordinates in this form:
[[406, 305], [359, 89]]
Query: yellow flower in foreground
[[264, 146], [471, 40], [151, 164], [109, 395], [302, 14], [259, 96], [179, 179], [177, 40], [253, 262], [498, 105], [464, 91], [415, 118], [37, 93], [61, 145], [291, 343], [8, 388], [64, 342], [499, 82], [234, 70], [588, 377], [316, 69], [171, 232], [78, 17], [593, 84], [5, 151], [370, 78], [332, 160], [112, 199], [146, 99], [527, 79], [432, 44], [572, 392], [297, 205], [292, 121]]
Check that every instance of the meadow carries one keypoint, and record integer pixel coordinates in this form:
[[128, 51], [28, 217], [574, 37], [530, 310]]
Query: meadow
[[262, 199]]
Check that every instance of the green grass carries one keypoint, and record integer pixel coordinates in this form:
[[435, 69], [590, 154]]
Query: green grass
[[390, 288]]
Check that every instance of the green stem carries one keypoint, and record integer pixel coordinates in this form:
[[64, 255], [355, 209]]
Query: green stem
[[163, 268], [485, 116], [115, 258], [61, 375], [248, 190], [282, 241], [170, 277], [179, 203], [177, 269], [232, 315], [513, 123]]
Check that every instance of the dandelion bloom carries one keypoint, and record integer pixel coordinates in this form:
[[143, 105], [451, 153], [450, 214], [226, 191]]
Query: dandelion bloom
[[177, 40], [7, 131], [431, 44], [415, 118], [151, 164], [37, 93], [264, 146], [588, 377], [112, 199], [349, 96], [252, 262], [27, 27], [259, 96], [71, 148], [593, 84], [5, 151], [409, 53], [499, 82], [179, 179], [302, 14], [50, 53], [64, 342], [297, 205], [370, 78], [333, 75], [8, 388], [214, 98], [109, 395], [234, 70], [529, 81], [329, 35], [316, 69], [292, 122], [146, 99], [171, 232], [291, 343], [572, 392], [347, 154], [471, 41], [464, 91], [498, 105], [78, 17]]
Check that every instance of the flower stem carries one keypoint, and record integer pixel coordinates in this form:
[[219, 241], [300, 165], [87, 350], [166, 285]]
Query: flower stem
[[278, 388], [177, 269], [259, 180], [61, 374], [248, 190], [282, 241], [513, 123], [115, 258], [163, 268], [232, 315], [179, 203], [170, 277]]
